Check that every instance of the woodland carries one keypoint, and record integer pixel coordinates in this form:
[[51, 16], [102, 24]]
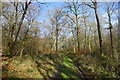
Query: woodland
[[49, 40]]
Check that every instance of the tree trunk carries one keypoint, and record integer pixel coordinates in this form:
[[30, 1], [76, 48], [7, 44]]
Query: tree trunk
[[111, 40], [77, 29], [85, 33], [98, 26], [89, 40], [21, 21], [74, 45], [110, 27], [118, 67], [56, 38], [12, 45], [74, 49]]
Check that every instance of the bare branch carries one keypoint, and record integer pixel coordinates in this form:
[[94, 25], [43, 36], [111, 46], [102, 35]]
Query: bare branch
[[91, 6], [70, 18]]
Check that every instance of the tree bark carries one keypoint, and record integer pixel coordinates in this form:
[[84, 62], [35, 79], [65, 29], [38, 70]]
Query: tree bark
[[98, 26], [21, 21], [110, 28], [77, 29], [119, 31], [56, 38], [89, 40], [12, 44], [85, 32], [12, 28]]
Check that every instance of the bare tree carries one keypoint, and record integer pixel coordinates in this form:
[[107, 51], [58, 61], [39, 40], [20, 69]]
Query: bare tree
[[30, 17], [70, 25], [14, 15], [110, 8], [15, 23], [57, 21], [73, 8], [85, 16], [95, 7]]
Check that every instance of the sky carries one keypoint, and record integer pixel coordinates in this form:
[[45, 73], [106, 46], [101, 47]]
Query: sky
[[49, 6], [77, 0], [53, 5]]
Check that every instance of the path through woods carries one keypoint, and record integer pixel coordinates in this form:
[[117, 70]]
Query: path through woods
[[67, 69]]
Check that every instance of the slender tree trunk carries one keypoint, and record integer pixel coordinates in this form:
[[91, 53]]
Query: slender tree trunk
[[110, 27], [111, 40], [53, 45], [16, 20], [89, 40], [12, 45], [12, 30], [20, 24], [85, 34], [23, 42], [21, 52], [74, 45], [118, 68], [56, 38], [77, 29], [119, 38], [95, 42], [74, 49], [98, 26]]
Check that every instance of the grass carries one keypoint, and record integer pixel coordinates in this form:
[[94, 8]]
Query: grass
[[69, 70], [48, 66]]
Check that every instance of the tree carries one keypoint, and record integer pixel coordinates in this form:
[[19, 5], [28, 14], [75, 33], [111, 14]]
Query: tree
[[70, 25], [57, 21], [95, 7], [110, 8], [119, 31], [15, 14], [31, 23], [85, 16], [73, 8], [12, 20]]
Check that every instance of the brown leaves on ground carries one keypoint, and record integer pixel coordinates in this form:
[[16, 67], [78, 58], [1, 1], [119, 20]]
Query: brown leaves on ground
[[21, 67], [25, 67]]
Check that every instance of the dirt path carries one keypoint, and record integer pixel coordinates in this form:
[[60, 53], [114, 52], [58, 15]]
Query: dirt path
[[67, 69]]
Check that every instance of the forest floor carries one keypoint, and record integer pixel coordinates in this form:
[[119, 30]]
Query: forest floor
[[58, 65], [45, 66]]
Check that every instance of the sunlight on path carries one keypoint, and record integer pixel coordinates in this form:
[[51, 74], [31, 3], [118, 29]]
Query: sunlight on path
[[69, 70]]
